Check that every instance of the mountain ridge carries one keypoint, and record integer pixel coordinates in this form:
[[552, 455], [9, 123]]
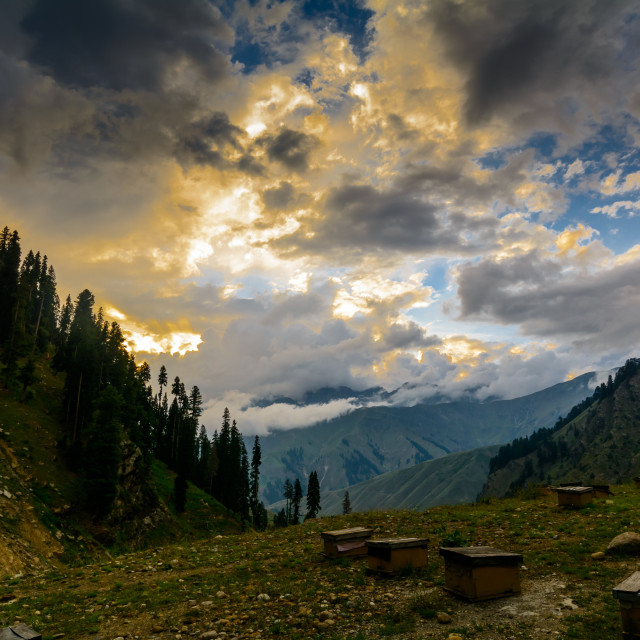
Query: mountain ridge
[[373, 440], [599, 445]]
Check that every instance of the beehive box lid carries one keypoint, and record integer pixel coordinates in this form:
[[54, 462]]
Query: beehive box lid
[[628, 589], [480, 556], [574, 490], [347, 534], [398, 543], [19, 632]]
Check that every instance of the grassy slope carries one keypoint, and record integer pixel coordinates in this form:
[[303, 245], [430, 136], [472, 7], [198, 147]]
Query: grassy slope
[[368, 442], [213, 584], [603, 443], [41, 522], [453, 479]]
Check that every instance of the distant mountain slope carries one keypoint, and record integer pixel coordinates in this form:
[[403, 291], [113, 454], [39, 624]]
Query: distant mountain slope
[[371, 441], [453, 479], [601, 445]]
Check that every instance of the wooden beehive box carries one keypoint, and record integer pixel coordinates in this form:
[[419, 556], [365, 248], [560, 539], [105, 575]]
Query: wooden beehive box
[[346, 542], [574, 496], [628, 595], [395, 555], [481, 573], [601, 490]]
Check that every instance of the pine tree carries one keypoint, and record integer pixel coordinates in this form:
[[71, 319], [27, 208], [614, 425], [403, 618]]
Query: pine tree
[[10, 252], [346, 504], [224, 472], [256, 459], [101, 454], [162, 381], [287, 491], [297, 499], [313, 495], [81, 365], [203, 457], [244, 490]]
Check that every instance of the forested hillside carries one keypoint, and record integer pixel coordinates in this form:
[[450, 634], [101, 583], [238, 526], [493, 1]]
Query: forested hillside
[[598, 441], [107, 407]]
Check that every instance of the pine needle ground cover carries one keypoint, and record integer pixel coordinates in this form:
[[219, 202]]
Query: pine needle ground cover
[[276, 584]]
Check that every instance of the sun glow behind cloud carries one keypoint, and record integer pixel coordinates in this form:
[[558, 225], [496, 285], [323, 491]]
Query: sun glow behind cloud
[[139, 339], [337, 203]]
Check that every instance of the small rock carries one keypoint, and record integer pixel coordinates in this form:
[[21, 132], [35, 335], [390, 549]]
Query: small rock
[[325, 615], [443, 617], [326, 624], [221, 594], [598, 555], [627, 542], [568, 603], [209, 635], [263, 596]]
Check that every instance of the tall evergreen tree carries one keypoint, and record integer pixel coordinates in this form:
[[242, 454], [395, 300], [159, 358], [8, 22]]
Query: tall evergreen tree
[[10, 253], [297, 499], [346, 504], [81, 365], [288, 496], [313, 495], [244, 490], [101, 454], [162, 381], [254, 481]]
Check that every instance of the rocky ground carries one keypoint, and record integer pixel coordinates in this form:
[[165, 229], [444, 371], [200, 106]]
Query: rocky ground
[[276, 584]]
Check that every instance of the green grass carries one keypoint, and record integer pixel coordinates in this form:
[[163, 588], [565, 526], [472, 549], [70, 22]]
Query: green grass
[[196, 555]]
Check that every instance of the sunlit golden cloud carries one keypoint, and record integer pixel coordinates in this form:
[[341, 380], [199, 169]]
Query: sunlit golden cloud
[[316, 195]]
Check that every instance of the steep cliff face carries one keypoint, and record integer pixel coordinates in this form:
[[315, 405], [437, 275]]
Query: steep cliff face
[[136, 509], [602, 445]]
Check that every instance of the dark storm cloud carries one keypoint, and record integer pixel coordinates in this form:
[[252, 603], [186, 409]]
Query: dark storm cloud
[[290, 148], [282, 199], [278, 198], [362, 218], [532, 292], [410, 336], [516, 52], [204, 142], [35, 112], [120, 44]]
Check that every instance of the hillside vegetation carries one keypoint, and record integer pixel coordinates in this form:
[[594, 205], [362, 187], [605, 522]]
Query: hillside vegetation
[[276, 584], [453, 479], [598, 442], [42, 522]]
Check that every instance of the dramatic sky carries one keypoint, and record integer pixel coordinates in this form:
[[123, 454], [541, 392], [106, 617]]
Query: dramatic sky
[[272, 197]]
